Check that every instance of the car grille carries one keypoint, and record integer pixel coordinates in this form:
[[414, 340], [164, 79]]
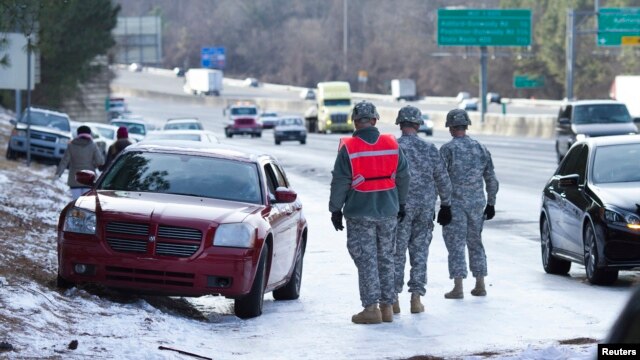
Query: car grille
[[178, 241], [338, 118], [245, 121], [144, 276], [43, 136], [292, 133], [171, 240]]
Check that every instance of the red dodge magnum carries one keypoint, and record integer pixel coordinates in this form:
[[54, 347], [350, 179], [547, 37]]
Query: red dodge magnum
[[186, 219]]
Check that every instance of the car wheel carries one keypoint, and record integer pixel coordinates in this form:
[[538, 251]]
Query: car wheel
[[551, 264], [595, 275], [303, 141], [291, 290], [227, 133], [63, 284], [259, 135], [277, 142], [250, 305], [11, 154]]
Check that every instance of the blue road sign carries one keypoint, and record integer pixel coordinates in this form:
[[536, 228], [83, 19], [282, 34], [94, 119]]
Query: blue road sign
[[212, 57]]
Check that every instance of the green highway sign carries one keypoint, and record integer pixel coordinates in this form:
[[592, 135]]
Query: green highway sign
[[484, 27], [616, 23], [528, 81]]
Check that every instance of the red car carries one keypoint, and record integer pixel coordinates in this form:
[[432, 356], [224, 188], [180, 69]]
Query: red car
[[186, 219]]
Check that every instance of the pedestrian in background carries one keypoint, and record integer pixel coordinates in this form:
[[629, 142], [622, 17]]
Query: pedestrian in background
[[81, 154], [120, 144], [370, 182], [429, 178], [470, 167]]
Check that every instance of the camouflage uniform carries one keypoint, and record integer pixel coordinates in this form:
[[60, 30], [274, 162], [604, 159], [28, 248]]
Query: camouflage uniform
[[429, 178], [371, 221], [468, 163]]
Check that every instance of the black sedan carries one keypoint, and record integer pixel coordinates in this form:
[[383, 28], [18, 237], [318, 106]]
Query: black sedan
[[590, 211]]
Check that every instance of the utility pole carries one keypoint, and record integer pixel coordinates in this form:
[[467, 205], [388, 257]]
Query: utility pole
[[29, 99], [483, 82], [345, 30], [571, 50]]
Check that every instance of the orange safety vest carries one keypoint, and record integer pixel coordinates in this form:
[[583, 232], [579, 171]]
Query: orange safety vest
[[373, 166]]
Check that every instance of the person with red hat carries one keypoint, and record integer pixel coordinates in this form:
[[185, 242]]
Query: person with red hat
[[117, 147]]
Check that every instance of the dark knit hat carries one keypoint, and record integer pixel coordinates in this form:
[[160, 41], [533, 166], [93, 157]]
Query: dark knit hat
[[84, 129], [123, 133]]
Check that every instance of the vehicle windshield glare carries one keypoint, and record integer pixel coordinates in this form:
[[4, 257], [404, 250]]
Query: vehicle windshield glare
[[244, 111], [47, 120], [337, 102], [601, 114], [290, 121], [616, 163], [184, 175], [133, 128]]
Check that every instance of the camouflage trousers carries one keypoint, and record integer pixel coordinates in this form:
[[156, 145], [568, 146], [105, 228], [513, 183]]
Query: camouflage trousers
[[371, 243], [465, 229], [414, 233]]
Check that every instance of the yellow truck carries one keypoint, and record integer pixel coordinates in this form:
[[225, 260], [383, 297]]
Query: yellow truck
[[333, 109]]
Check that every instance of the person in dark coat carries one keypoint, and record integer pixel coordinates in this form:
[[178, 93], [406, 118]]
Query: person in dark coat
[[117, 147]]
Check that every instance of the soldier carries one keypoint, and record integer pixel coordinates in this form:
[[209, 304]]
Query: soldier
[[468, 163], [429, 178], [370, 180]]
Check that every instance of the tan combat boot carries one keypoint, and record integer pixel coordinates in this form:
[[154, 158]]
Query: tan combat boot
[[370, 315], [416, 305], [387, 312], [456, 293], [396, 307], [479, 290]]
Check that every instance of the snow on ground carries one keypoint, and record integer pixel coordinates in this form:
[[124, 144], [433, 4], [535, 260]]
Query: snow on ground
[[525, 316]]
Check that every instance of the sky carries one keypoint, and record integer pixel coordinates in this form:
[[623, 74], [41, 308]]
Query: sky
[[524, 316]]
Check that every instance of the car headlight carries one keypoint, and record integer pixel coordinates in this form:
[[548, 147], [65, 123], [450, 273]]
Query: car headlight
[[63, 140], [80, 221], [19, 133], [581, 137], [429, 123], [631, 221], [328, 122], [234, 235]]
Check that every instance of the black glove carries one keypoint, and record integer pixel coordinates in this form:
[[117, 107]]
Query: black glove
[[336, 219], [401, 213], [489, 212], [444, 215]]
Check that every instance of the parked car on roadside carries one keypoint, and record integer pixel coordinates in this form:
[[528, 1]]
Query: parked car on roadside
[[50, 132], [290, 128], [137, 127], [581, 119], [427, 125], [183, 135], [101, 141], [187, 123], [186, 220], [590, 210]]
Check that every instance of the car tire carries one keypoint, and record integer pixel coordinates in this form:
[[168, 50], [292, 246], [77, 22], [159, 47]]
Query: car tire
[[303, 141], [11, 154], [250, 305], [551, 264], [291, 290], [277, 142], [259, 135], [595, 274], [63, 284], [227, 133]]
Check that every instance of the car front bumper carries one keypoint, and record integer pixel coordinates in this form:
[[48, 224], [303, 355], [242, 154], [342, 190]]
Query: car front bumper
[[212, 270], [622, 248], [44, 149]]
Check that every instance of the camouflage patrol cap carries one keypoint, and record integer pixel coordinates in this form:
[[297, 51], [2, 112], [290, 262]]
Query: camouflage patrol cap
[[410, 114], [457, 117], [364, 110]]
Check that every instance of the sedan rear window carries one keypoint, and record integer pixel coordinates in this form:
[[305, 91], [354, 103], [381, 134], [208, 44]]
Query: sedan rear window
[[185, 175], [617, 163], [601, 114]]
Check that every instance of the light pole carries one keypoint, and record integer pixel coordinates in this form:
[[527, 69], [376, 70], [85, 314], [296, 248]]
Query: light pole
[[29, 99], [345, 30]]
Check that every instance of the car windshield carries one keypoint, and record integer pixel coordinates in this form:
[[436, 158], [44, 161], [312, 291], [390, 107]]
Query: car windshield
[[601, 114], [183, 126], [133, 128], [616, 163], [106, 132], [337, 102], [181, 174], [47, 120], [290, 121], [244, 111]]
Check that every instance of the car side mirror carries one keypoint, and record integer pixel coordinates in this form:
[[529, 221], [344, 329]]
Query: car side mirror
[[86, 177], [284, 195], [564, 121], [13, 121], [568, 181]]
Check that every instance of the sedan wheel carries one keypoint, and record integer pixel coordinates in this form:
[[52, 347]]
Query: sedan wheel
[[250, 305], [551, 264], [11, 154], [595, 275]]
